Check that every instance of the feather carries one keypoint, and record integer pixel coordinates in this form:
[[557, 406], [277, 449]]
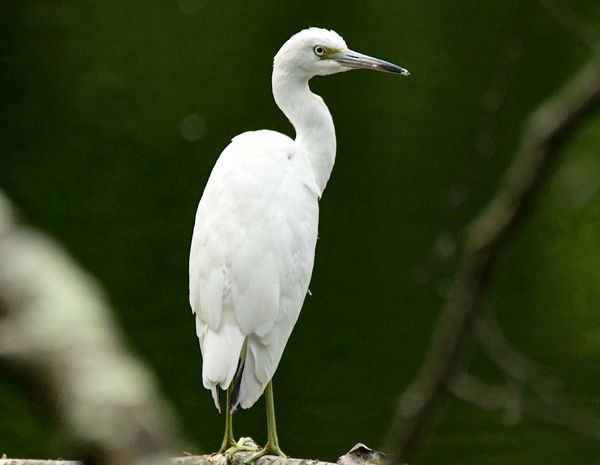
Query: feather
[[251, 260]]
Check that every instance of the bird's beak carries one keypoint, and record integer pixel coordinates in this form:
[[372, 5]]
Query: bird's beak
[[352, 59]]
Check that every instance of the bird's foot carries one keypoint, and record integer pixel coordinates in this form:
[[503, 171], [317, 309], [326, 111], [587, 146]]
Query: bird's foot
[[227, 443], [270, 449], [244, 444]]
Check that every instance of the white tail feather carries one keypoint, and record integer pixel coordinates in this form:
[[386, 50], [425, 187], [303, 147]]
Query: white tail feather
[[221, 352], [251, 387]]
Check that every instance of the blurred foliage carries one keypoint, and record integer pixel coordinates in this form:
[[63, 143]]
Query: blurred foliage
[[113, 113]]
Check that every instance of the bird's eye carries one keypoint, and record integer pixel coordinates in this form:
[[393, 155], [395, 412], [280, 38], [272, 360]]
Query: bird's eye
[[320, 50]]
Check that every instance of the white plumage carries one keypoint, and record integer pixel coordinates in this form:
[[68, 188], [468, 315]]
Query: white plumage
[[251, 258], [255, 234]]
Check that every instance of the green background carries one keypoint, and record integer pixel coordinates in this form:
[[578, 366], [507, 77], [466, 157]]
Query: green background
[[112, 114]]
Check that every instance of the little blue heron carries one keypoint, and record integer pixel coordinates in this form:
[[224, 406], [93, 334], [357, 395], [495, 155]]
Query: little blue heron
[[254, 239]]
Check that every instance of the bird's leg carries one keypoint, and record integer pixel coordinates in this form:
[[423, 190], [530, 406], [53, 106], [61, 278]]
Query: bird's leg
[[272, 446], [230, 446], [228, 439]]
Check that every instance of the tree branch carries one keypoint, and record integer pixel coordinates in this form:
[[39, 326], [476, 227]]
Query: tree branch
[[358, 455], [513, 402], [217, 459], [56, 329], [547, 129], [511, 361]]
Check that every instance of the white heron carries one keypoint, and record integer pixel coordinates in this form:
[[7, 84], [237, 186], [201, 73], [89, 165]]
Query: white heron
[[255, 233]]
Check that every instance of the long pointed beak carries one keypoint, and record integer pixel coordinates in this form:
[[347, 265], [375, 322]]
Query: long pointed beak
[[352, 59]]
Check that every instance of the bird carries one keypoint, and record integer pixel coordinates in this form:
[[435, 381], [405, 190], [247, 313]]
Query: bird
[[255, 231]]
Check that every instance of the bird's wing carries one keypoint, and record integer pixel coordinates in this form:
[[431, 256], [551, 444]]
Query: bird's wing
[[253, 244]]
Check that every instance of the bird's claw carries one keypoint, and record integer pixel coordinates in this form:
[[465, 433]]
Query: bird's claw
[[244, 444], [268, 450]]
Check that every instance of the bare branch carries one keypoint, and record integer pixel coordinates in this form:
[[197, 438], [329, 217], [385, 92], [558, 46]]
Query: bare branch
[[566, 19], [511, 361], [6, 461], [238, 459], [358, 455], [56, 329], [547, 130], [216, 459], [512, 402], [488, 397]]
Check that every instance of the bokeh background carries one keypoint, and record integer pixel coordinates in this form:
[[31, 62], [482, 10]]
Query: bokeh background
[[112, 114]]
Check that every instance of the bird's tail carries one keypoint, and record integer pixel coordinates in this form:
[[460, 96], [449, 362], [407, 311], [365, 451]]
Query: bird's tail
[[234, 400], [221, 353], [251, 377]]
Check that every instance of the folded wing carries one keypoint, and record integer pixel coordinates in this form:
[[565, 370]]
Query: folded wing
[[251, 259]]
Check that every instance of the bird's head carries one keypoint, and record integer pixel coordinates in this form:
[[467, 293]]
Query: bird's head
[[319, 52]]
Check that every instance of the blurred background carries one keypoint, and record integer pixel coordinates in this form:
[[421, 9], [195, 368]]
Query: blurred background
[[114, 112]]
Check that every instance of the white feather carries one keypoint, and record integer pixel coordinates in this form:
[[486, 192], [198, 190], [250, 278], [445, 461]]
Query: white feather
[[251, 258]]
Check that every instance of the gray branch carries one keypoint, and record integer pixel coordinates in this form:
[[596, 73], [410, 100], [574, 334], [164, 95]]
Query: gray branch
[[57, 332], [216, 459], [547, 129], [358, 455]]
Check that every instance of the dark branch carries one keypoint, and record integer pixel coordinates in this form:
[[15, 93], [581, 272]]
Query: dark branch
[[511, 361], [513, 403], [548, 128]]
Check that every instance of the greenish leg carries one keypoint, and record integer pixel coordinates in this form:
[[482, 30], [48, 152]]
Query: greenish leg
[[272, 446], [229, 446], [228, 439]]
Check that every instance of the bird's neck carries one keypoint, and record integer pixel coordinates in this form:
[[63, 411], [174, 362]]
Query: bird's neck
[[315, 133]]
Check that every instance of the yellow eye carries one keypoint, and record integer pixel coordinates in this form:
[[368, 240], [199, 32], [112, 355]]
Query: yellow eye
[[320, 50]]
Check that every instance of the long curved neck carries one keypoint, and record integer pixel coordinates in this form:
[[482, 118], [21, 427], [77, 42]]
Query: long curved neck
[[315, 133]]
